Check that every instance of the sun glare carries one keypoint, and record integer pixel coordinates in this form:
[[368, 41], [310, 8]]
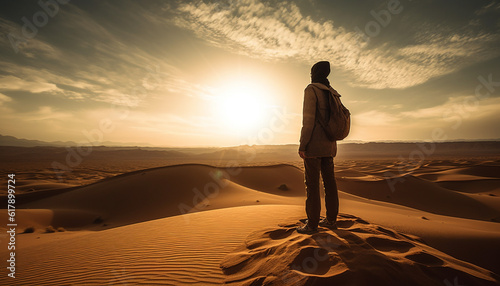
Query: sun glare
[[241, 106]]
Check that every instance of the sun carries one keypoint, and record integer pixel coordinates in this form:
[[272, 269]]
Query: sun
[[241, 106]]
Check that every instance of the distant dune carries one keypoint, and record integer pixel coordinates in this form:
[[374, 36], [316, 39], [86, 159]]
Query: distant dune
[[168, 191]]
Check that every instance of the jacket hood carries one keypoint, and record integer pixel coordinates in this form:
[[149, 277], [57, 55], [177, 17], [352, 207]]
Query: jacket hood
[[324, 87]]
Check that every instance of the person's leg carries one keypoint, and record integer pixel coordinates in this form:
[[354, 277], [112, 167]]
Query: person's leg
[[331, 193], [313, 201]]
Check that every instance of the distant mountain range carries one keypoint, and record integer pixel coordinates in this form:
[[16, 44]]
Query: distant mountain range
[[14, 141], [6, 140], [22, 150]]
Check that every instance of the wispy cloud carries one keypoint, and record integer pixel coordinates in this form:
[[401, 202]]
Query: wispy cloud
[[88, 61], [465, 107], [493, 6], [281, 31], [47, 113], [13, 41], [458, 108], [4, 98], [34, 85]]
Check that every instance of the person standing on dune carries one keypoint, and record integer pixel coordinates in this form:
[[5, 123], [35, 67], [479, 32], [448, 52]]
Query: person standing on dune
[[318, 151]]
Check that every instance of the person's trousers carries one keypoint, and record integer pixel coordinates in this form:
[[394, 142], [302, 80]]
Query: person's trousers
[[313, 168]]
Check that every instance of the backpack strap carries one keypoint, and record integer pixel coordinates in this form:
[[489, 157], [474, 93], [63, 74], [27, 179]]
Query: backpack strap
[[318, 115]]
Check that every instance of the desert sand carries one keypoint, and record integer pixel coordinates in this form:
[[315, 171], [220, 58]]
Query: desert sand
[[175, 223]]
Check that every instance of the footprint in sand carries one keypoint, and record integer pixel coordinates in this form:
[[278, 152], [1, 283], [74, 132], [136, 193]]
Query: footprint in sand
[[359, 253]]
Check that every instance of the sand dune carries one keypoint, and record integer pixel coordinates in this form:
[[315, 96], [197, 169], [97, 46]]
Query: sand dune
[[420, 194], [177, 250], [470, 240], [477, 186], [174, 225], [483, 179], [188, 249], [176, 190], [358, 253], [26, 186]]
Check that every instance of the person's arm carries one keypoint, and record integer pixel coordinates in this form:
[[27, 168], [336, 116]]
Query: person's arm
[[309, 115]]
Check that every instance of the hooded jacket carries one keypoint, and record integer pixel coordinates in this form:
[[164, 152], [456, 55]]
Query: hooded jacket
[[313, 138]]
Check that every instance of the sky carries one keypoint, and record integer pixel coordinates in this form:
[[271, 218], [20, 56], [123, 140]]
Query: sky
[[226, 73]]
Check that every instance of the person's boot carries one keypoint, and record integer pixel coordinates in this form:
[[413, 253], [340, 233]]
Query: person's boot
[[327, 223], [306, 229]]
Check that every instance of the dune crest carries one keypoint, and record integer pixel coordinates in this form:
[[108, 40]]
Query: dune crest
[[358, 253], [168, 191]]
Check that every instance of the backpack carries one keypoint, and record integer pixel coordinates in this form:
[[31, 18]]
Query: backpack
[[337, 123]]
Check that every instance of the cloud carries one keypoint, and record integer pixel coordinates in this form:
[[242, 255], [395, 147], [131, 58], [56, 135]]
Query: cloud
[[269, 32], [280, 31], [455, 108], [463, 107], [493, 6], [459, 117], [14, 42], [34, 85], [455, 115], [90, 60], [4, 98], [47, 113]]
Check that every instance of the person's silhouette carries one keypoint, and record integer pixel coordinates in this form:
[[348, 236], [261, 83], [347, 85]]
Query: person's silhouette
[[318, 151]]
